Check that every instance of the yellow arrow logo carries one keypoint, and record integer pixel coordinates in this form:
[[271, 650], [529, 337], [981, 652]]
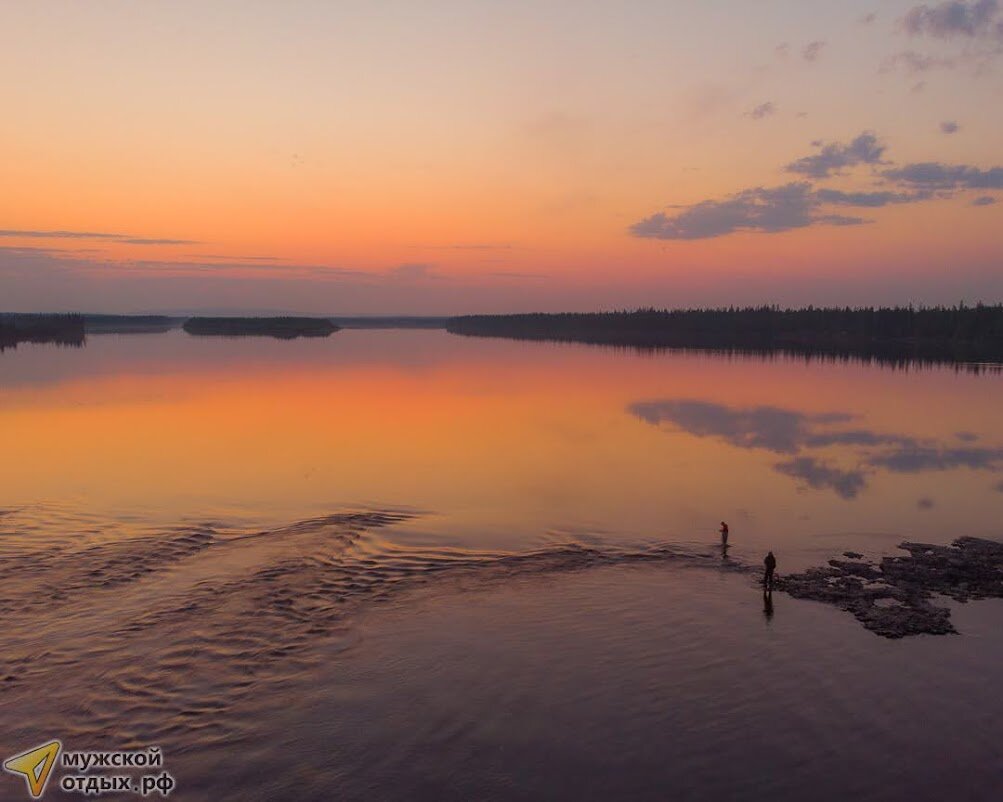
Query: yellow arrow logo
[[35, 765]]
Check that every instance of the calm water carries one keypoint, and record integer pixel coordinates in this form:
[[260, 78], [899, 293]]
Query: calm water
[[399, 565]]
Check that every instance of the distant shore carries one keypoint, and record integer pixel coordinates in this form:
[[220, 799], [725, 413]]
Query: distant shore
[[889, 335], [41, 328]]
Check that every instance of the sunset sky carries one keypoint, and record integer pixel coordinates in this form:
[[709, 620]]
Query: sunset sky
[[349, 157]]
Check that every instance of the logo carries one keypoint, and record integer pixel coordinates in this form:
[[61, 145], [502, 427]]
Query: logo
[[35, 765]]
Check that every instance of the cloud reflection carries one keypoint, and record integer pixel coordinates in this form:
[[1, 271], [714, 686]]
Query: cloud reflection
[[792, 433]]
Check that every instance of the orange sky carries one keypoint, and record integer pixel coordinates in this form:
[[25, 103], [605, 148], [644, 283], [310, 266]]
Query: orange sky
[[365, 157]]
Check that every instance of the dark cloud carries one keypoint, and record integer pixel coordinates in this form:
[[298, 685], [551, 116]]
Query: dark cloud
[[984, 200], [822, 476], [835, 156], [767, 109], [955, 19], [925, 503], [812, 50], [938, 176], [949, 127]]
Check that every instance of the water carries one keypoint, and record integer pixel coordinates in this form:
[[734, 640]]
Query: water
[[399, 565]]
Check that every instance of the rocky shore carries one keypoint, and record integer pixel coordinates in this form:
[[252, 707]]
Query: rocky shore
[[896, 597]]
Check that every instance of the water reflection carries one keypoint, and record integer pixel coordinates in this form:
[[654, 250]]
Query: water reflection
[[788, 431]]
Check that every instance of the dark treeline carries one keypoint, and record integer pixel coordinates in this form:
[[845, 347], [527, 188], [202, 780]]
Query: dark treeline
[[897, 335], [285, 328], [391, 322], [39, 328], [130, 324]]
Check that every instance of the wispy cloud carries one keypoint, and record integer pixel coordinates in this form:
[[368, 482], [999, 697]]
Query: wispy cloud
[[812, 50], [125, 239], [767, 109], [913, 62], [977, 25], [949, 127]]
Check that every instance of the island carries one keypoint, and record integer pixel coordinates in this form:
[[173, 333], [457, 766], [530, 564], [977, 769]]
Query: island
[[284, 328]]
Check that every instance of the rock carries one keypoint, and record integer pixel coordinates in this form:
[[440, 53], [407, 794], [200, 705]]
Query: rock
[[853, 555], [893, 598]]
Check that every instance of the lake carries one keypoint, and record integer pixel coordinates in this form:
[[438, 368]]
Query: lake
[[413, 565]]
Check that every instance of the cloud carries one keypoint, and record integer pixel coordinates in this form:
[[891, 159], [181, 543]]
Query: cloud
[[757, 209], [834, 156], [867, 199], [949, 127], [920, 458], [822, 476], [867, 19], [812, 50], [767, 109], [955, 19], [914, 62], [126, 239], [938, 176], [800, 204], [154, 241], [925, 503], [413, 271], [984, 200], [766, 210]]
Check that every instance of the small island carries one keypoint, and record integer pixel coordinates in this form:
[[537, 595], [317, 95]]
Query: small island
[[284, 328]]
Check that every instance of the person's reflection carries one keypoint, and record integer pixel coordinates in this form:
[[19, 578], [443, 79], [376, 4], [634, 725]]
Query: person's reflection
[[768, 604], [724, 552]]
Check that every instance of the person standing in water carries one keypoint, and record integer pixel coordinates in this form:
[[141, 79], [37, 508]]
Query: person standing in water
[[724, 534], [771, 565]]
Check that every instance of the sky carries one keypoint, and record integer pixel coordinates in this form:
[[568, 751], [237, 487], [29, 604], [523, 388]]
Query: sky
[[372, 157]]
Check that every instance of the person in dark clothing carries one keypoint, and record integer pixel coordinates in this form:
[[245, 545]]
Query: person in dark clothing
[[724, 534], [771, 565]]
